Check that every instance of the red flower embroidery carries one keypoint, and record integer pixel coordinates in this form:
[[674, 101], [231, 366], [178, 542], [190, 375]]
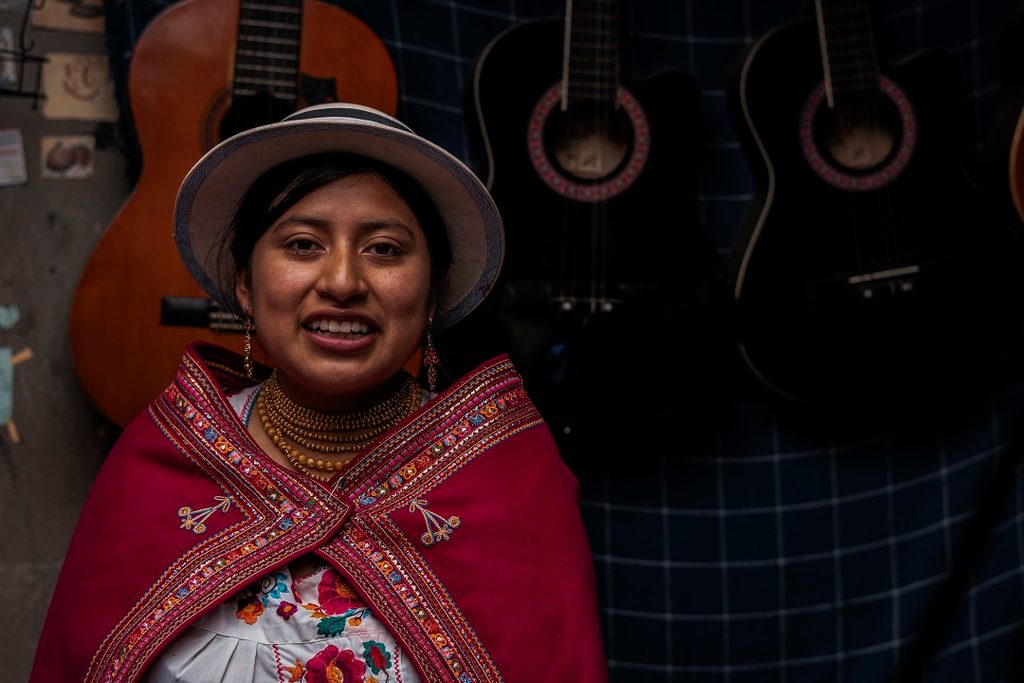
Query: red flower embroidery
[[376, 656], [336, 596], [332, 665], [286, 610]]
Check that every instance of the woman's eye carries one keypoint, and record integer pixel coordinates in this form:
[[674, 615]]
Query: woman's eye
[[302, 245], [384, 249]]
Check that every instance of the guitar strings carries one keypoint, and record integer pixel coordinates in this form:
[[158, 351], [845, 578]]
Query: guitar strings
[[856, 82], [601, 95], [272, 38], [893, 246], [600, 215]]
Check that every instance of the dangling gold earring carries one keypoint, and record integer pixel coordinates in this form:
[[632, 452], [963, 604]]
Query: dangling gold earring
[[247, 344], [430, 358]]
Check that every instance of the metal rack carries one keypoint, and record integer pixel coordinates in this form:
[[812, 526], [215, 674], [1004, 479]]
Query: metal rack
[[26, 63]]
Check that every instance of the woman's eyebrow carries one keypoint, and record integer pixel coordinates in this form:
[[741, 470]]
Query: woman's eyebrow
[[364, 227]]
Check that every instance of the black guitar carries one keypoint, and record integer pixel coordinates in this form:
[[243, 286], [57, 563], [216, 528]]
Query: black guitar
[[607, 275], [867, 271]]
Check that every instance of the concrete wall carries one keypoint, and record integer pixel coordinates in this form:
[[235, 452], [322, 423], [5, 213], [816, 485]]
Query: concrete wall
[[48, 228]]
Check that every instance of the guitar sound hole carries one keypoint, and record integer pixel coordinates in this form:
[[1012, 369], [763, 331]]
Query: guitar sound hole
[[588, 144], [588, 154], [248, 111], [862, 143], [862, 139]]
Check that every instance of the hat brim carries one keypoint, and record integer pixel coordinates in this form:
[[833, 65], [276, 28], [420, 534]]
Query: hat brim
[[212, 191]]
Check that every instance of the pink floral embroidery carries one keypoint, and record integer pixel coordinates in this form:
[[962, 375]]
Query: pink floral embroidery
[[332, 665], [336, 596]]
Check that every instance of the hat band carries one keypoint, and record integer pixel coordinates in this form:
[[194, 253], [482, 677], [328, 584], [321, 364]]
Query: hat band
[[335, 111]]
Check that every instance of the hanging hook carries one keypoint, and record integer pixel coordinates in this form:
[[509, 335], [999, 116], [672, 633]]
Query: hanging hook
[[30, 5]]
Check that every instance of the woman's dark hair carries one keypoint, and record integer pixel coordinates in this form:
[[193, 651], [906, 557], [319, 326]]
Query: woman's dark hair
[[286, 184]]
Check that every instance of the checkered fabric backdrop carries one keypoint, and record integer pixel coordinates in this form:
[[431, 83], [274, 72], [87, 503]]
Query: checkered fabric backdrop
[[749, 541]]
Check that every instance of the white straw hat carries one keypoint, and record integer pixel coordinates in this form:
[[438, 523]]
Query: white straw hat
[[212, 191]]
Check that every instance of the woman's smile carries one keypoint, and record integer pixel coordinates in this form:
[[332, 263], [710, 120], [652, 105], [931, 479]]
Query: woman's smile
[[334, 327]]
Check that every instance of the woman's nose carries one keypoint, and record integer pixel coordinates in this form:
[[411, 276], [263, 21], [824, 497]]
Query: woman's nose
[[341, 277]]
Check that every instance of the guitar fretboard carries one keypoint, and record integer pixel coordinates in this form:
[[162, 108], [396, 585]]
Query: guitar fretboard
[[267, 52], [848, 48], [591, 70]]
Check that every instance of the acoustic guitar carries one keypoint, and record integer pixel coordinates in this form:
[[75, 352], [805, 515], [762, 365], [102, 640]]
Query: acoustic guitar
[[1003, 149], [868, 272], [201, 71], [608, 274]]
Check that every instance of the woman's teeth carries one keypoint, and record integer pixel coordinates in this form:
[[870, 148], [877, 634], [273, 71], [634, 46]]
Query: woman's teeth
[[339, 327]]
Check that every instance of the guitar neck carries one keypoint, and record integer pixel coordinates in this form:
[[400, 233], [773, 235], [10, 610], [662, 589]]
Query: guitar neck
[[267, 50], [590, 74], [848, 54]]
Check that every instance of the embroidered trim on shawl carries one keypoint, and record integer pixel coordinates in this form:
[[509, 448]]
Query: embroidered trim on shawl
[[280, 516], [491, 407]]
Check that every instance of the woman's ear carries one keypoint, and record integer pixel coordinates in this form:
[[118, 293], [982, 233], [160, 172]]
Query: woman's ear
[[243, 291]]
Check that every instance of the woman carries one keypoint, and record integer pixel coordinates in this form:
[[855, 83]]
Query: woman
[[321, 516]]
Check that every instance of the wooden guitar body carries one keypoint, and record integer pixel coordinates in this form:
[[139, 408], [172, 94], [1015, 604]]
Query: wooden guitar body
[[607, 272], [180, 91], [1003, 150], [868, 271]]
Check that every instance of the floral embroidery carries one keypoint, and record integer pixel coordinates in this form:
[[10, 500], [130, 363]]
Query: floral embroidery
[[286, 609], [336, 596], [249, 609], [339, 607], [253, 601], [272, 586], [314, 610], [340, 610], [332, 665], [297, 671], [376, 656], [335, 626]]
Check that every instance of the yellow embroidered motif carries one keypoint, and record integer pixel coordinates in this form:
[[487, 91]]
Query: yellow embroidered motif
[[438, 528], [195, 520]]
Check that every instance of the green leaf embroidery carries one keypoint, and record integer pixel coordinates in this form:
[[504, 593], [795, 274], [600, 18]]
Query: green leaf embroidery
[[332, 626]]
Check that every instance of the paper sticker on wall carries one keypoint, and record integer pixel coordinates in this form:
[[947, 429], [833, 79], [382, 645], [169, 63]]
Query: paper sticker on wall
[[12, 158], [78, 86], [67, 156], [84, 16]]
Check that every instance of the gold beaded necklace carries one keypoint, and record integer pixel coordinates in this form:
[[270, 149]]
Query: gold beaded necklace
[[289, 425]]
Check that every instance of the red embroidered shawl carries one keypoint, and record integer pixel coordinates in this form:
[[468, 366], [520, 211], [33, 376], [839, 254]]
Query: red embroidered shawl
[[460, 527]]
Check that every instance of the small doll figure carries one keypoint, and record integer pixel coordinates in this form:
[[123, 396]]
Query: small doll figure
[[8, 316]]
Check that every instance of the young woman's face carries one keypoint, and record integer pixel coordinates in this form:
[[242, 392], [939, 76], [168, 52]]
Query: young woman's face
[[339, 292]]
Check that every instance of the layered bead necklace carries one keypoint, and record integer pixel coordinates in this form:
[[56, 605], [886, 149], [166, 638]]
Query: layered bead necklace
[[335, 439]]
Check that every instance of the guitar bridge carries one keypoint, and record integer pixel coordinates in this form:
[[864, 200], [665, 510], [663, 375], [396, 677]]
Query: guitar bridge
[[887, 281], [593, 304], [584, 299]]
